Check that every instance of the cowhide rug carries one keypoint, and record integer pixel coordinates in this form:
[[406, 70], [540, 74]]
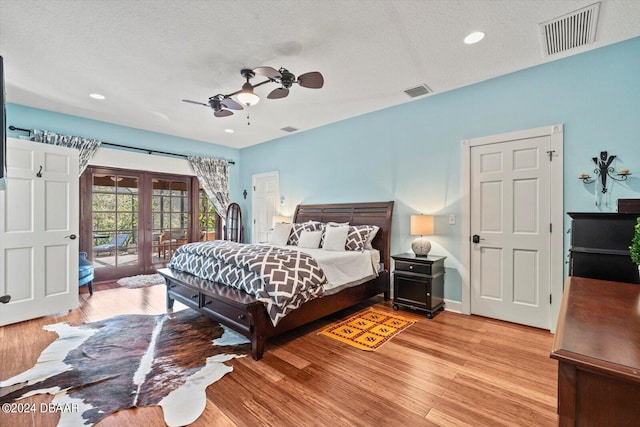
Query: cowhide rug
[[128, 361]]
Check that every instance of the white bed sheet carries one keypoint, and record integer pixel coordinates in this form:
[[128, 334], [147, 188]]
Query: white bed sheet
[[344, 268]]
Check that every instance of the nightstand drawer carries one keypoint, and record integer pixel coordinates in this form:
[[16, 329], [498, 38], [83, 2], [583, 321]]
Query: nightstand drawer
[[413, 267]]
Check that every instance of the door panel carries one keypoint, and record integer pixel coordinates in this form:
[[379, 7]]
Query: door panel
[[265, 205], [39, 209], [510, 207]]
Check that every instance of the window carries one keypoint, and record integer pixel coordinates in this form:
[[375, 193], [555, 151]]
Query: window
[[115, 220], [207, 217]]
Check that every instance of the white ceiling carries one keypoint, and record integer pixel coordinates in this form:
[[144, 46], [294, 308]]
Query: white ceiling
[[146, 56]]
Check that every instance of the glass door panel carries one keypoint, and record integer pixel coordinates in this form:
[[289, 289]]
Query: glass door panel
[[170, 216], [115, 219]]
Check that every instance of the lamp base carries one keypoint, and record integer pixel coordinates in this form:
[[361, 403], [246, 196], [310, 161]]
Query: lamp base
[[421, 246]]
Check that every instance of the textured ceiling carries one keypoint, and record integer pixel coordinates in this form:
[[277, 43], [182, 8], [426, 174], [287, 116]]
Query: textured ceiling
[[145, 56]]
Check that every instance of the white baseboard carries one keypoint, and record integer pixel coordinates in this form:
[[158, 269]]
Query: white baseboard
[[455, 306]]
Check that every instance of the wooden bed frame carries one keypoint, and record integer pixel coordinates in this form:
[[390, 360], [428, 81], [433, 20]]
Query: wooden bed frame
[[243, 313]]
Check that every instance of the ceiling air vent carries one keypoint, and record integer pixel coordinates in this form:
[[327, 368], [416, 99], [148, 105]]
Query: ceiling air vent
[[289, 129], [418, 91], [569, 31]]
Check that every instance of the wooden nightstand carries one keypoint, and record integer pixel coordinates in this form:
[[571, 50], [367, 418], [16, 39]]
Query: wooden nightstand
[[418, 283]]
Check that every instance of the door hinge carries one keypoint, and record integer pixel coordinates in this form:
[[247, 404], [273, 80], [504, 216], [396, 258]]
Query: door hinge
[[550, 299], [550, 228], [254, 188], [550, 153]]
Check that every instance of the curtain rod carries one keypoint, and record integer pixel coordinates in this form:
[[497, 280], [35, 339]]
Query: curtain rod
[[111, 144]]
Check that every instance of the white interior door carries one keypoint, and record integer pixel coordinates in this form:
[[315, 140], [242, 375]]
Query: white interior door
[[39, 229], [264, 205], [511, 229]]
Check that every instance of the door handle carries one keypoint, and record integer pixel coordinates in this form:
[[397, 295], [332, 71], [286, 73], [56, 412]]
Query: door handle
[[71, 236], [476, 238]]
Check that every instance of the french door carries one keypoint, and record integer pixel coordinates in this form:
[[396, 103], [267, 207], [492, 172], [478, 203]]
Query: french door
[[132, 221]]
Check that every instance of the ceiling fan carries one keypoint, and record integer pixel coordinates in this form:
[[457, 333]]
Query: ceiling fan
[[218, 103], [222, 104]]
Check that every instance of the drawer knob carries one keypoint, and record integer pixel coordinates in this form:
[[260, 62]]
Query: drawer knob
[[242, 317], [208, 302], [428, 294], [411, 267], [194, 296], [172, 286]]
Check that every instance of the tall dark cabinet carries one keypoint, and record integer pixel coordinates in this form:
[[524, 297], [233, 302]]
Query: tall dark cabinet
[[600, 246]]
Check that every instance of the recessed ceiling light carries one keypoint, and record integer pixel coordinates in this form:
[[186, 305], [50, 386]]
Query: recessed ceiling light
[[474, 37], [229, 130], [96, 96]]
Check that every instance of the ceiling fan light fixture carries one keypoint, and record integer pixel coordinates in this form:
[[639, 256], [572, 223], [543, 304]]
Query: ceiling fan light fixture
[[247, 96]]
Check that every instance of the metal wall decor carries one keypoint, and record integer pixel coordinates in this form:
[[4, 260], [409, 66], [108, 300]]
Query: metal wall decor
[[603, 170]]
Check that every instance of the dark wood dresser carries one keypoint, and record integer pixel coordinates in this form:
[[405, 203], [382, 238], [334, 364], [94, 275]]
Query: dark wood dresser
[[600, 246], [597, 345]]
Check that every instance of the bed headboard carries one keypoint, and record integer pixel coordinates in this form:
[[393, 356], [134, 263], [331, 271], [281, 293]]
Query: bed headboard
[[376, 213]]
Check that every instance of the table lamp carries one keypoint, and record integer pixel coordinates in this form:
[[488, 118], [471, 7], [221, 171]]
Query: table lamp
[[421, 225]]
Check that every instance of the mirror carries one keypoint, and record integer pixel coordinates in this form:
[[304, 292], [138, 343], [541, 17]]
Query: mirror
[[233, 229]]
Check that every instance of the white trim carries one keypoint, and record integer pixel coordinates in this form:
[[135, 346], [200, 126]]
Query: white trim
[[453, 306], [113, 158], [556, 134]]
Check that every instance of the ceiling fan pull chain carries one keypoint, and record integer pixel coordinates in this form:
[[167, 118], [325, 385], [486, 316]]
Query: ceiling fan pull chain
[[248, 118]]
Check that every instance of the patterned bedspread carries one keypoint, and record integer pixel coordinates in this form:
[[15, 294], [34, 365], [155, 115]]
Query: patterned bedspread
[[281, 278]]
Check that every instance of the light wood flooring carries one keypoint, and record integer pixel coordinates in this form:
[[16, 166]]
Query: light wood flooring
[[454, 370]]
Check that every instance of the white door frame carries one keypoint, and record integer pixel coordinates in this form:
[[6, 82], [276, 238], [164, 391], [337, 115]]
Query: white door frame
[[555, 132], [255, 177]]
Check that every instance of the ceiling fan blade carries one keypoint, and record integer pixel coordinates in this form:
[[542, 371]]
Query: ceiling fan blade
[[230, 103], [278, 93], [268, 72], [312, 80], [223, 113], [195, 102]]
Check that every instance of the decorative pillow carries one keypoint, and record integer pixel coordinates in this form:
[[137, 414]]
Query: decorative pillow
[[298, 228], [335, 238], [372, 235], [357, 237], [280, 234], [330, 224], [310, 239]]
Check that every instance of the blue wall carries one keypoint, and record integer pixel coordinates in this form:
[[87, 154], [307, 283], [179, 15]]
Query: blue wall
[[412, 153], [24, 117]]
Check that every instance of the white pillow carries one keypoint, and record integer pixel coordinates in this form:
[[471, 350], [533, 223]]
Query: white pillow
[[335, 238], [310, 239], [280, 234]]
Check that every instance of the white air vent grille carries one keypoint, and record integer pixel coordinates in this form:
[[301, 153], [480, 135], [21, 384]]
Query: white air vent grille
[[418, 91], [571, 30], [289, 129]]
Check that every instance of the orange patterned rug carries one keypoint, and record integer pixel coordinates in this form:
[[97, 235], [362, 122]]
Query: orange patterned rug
[[368, 330]]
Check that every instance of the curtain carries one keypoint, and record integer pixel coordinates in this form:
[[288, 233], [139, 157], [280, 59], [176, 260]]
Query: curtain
[[213, 175], [87, 147]]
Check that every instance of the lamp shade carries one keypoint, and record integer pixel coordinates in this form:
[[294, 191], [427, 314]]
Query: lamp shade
[[421, 225], [280, 218]]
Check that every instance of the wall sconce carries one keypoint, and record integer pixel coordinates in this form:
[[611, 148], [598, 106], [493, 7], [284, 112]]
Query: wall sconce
[[603, 170]]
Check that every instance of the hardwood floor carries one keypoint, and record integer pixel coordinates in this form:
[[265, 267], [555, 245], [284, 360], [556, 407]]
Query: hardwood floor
[[454, 370]]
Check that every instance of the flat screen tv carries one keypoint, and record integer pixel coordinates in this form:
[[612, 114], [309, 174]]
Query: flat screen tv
[[3, 132]]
